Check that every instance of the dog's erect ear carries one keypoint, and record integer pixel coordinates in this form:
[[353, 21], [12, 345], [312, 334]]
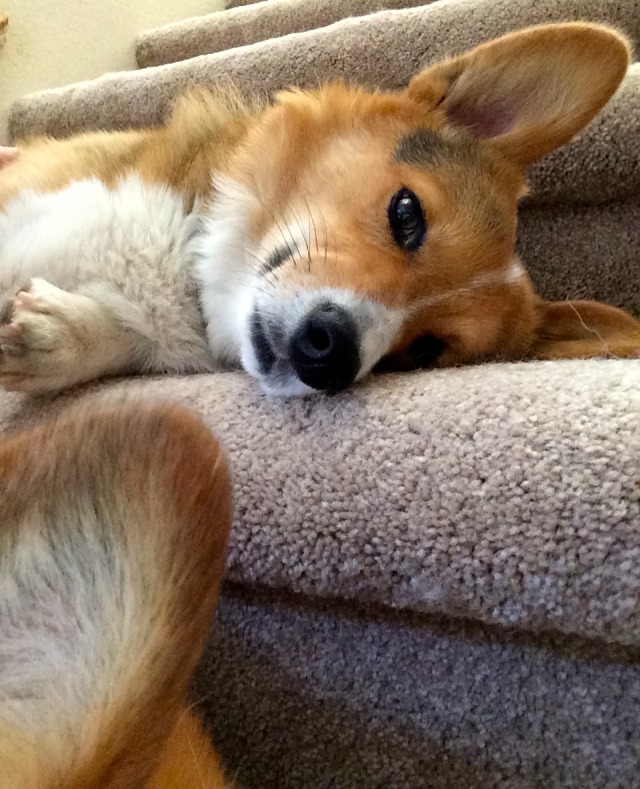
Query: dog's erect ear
[[529, 91], [583, 329]]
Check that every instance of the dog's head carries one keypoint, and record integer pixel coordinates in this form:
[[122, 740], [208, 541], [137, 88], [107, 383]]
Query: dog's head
[[375, 228]]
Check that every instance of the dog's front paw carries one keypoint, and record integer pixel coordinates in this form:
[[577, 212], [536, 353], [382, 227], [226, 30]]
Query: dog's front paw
[[38, 338]]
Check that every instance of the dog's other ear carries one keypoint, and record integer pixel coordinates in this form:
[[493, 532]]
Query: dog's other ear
[[583, 329], [529, 91]]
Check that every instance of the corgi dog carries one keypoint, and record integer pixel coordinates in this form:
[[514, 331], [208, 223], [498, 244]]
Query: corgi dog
[[111, 554], [309, 240]]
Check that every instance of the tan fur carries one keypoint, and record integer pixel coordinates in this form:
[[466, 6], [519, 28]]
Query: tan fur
[[114, 521], [575, 329], [555, 77], [329, 161], [188, 759], [472, 229], [203, 130]]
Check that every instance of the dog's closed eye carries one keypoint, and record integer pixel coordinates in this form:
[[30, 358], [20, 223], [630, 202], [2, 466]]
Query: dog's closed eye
[[425, 350], [422, 353]]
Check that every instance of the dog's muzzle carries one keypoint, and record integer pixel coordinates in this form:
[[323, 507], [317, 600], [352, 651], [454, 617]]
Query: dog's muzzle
[[323, 350]]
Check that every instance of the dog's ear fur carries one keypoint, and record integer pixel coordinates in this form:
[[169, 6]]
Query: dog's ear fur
[[528, 91], [583, 329], [113, 526]]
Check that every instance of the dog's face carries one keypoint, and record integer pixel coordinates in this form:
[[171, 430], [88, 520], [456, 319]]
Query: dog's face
[[382, 238], [381, 226]]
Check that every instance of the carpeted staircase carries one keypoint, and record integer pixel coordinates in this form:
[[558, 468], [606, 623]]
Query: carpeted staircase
[[434, 579], [250, 24]]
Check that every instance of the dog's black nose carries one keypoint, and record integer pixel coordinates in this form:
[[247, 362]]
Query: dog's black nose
[[324, 349]]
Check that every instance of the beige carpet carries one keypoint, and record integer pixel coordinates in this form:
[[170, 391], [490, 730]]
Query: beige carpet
[[240, 3], [247, 25], [325, 697], [506, 493], [384, 49]]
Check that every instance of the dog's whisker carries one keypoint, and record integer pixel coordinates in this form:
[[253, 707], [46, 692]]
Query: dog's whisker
[[295, 243], [261, 261], [326, 238], [272, 214], [312, 222], [304, 236]]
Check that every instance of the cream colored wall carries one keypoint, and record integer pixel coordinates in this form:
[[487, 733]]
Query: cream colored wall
[[53, 42]]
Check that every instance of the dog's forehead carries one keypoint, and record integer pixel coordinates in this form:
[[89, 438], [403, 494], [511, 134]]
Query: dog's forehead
[[428, 148], [477, 181]]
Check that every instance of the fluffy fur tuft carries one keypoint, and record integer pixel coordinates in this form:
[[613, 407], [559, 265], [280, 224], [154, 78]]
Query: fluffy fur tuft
[[114, 525]]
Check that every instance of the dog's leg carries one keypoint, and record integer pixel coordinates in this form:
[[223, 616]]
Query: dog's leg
[[53, 339]]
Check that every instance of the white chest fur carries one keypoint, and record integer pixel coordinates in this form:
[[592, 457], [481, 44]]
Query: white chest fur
[[129, 247]]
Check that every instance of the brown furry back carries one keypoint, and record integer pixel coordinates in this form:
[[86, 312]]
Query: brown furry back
[[200, 135]]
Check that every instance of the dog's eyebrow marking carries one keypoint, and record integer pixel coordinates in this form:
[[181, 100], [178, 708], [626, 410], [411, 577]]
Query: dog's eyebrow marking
[[428, 148], [470, 173], [277, 257], [491, 279], [421, 147]]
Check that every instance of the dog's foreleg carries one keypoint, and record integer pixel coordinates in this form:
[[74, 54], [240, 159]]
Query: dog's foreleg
[[52, 339]]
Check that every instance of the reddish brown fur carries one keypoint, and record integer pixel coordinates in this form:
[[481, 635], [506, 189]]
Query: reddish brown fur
[[338, 146], [155, 484], [361, 255], [203, 131], [311, 153]]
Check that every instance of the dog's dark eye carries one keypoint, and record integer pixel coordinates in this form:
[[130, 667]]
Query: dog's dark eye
[[406, 220], [425, 350], [422, 353]]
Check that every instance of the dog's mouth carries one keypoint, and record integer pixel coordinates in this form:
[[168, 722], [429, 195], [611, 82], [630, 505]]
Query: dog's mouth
[[322, 341], [265, 355]]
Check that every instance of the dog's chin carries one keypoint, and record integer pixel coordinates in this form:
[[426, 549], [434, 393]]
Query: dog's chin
[[284, 386], [279, 381]]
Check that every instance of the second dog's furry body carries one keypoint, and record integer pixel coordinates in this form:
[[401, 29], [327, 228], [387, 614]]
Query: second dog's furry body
[[111, 554]]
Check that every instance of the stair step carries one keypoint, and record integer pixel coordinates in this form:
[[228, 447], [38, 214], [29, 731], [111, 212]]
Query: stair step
[[382, 50], [238, 27]]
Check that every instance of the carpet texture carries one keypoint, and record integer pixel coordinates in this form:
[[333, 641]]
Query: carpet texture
[[247, 25], [323, 697], [506, 493], [577, 251], [241, 3]]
